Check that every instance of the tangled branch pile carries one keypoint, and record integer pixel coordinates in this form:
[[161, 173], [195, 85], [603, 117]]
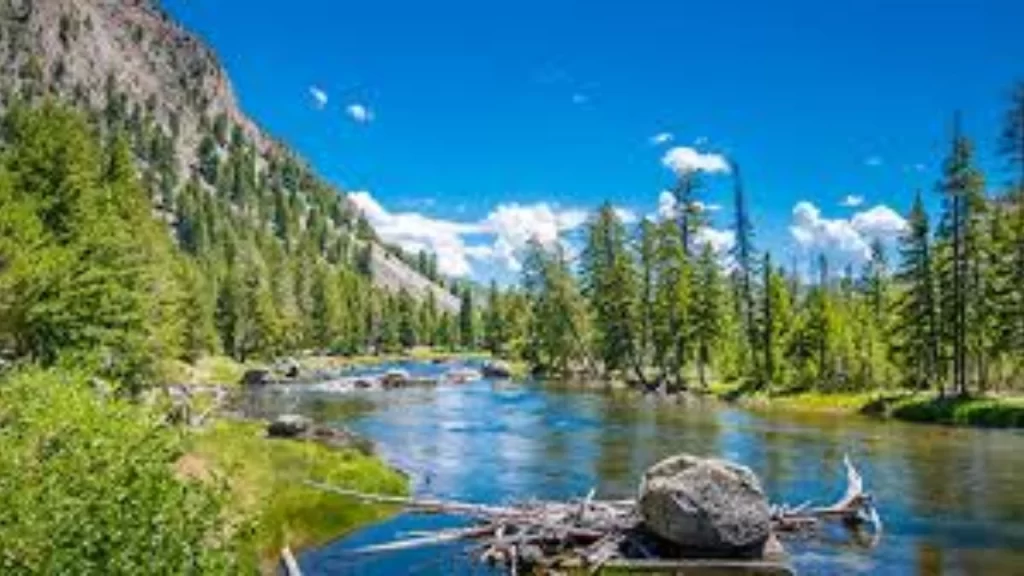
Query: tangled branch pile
[[692, 514]]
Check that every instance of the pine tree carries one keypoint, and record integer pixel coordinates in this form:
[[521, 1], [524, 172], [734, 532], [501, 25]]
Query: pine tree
[[743, 254], [960, 187], [707, 310], [916, 334], [646, 260], [607, 281], [406, 311], [496, 334], [467, 328]]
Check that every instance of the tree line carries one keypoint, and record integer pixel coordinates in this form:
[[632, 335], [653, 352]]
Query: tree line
[[651, 304], [106, 251]]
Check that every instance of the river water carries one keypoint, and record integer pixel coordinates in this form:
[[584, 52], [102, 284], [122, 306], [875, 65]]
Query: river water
[[952, 500]]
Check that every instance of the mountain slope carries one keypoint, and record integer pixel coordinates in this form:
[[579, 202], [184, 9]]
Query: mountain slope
[[129, 59]]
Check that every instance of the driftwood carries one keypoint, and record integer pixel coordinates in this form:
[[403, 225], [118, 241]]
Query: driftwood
[[592, 534], [290, 565]]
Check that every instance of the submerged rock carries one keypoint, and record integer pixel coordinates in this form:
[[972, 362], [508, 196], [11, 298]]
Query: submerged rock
[[706, 506], [289, 426], [289, 367], [257, 377], [394, 378], [497, 369]]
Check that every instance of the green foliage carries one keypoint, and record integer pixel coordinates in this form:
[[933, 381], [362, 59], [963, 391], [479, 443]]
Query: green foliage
[[90, 270], [88, 486]]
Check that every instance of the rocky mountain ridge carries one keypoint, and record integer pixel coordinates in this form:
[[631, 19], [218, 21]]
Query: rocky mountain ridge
[[131, 56]]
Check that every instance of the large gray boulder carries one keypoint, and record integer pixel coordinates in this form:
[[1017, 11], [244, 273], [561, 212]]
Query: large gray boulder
[[707, 506], [289, 426]]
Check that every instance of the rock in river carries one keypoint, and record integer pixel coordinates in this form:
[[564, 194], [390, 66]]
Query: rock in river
[[497, 369], [257, 377], [289, 426], [709, 506]]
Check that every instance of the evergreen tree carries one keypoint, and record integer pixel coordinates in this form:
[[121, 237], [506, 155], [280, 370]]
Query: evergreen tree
[[607, 282], [496, 334], [743, 253], [467, 329], [707, 313], [916, 332]]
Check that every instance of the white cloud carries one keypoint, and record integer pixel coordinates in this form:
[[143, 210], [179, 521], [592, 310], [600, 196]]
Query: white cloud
[[319, 97], [873, 161], [702, 207], [661, 138], [579, 98], [413, 231], [721, 241], [879, 222], [359, 113], [626, 215], [514, 225], [683, 159], [852, 201], [700, 141], [850, 237], [508, 228]]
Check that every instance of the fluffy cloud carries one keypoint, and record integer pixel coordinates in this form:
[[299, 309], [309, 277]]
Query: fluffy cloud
[[683, 159], [414, 232], [873, 161], [579, 98], [879, 222], [702, 207], [514, 225], [661, 138], [319, 97], [626, 215], [852, 201], [851, 237], [721, 241], [508, 228], [359, 113]]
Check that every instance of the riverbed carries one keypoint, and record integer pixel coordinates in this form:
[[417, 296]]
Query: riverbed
[[952, 500]]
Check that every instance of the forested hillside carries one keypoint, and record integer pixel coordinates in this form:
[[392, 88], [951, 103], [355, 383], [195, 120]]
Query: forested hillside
[[147, 218], [942, 310]]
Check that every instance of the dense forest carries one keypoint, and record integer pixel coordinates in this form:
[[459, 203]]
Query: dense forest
[[250, 270], [651, 304]]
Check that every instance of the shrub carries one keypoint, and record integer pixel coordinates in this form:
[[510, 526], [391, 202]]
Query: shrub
[[88, 486]]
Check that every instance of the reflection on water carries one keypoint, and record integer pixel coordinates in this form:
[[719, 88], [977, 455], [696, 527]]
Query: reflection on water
[[952, 500]]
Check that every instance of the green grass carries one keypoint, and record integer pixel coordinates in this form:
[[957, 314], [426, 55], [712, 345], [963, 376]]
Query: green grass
[[986, 412], [219, 370], [266, 480]]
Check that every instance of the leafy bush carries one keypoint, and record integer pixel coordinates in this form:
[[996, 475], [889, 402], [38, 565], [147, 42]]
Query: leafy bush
[[88, 486]]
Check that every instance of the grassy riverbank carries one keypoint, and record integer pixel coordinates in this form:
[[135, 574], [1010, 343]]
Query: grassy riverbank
[[979, 411], [266, 476]]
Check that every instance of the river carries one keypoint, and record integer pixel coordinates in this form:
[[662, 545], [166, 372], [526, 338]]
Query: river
[[952, 500]]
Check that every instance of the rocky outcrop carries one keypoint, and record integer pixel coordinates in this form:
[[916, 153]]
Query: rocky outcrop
[[707, 506]]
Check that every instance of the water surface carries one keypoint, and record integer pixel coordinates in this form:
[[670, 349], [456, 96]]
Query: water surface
[[952, 499]]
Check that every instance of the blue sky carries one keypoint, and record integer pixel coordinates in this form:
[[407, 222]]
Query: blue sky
[[469, 126]]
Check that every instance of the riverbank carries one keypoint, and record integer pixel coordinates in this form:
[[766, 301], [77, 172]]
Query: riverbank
[[909, 406], [265, 479]]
